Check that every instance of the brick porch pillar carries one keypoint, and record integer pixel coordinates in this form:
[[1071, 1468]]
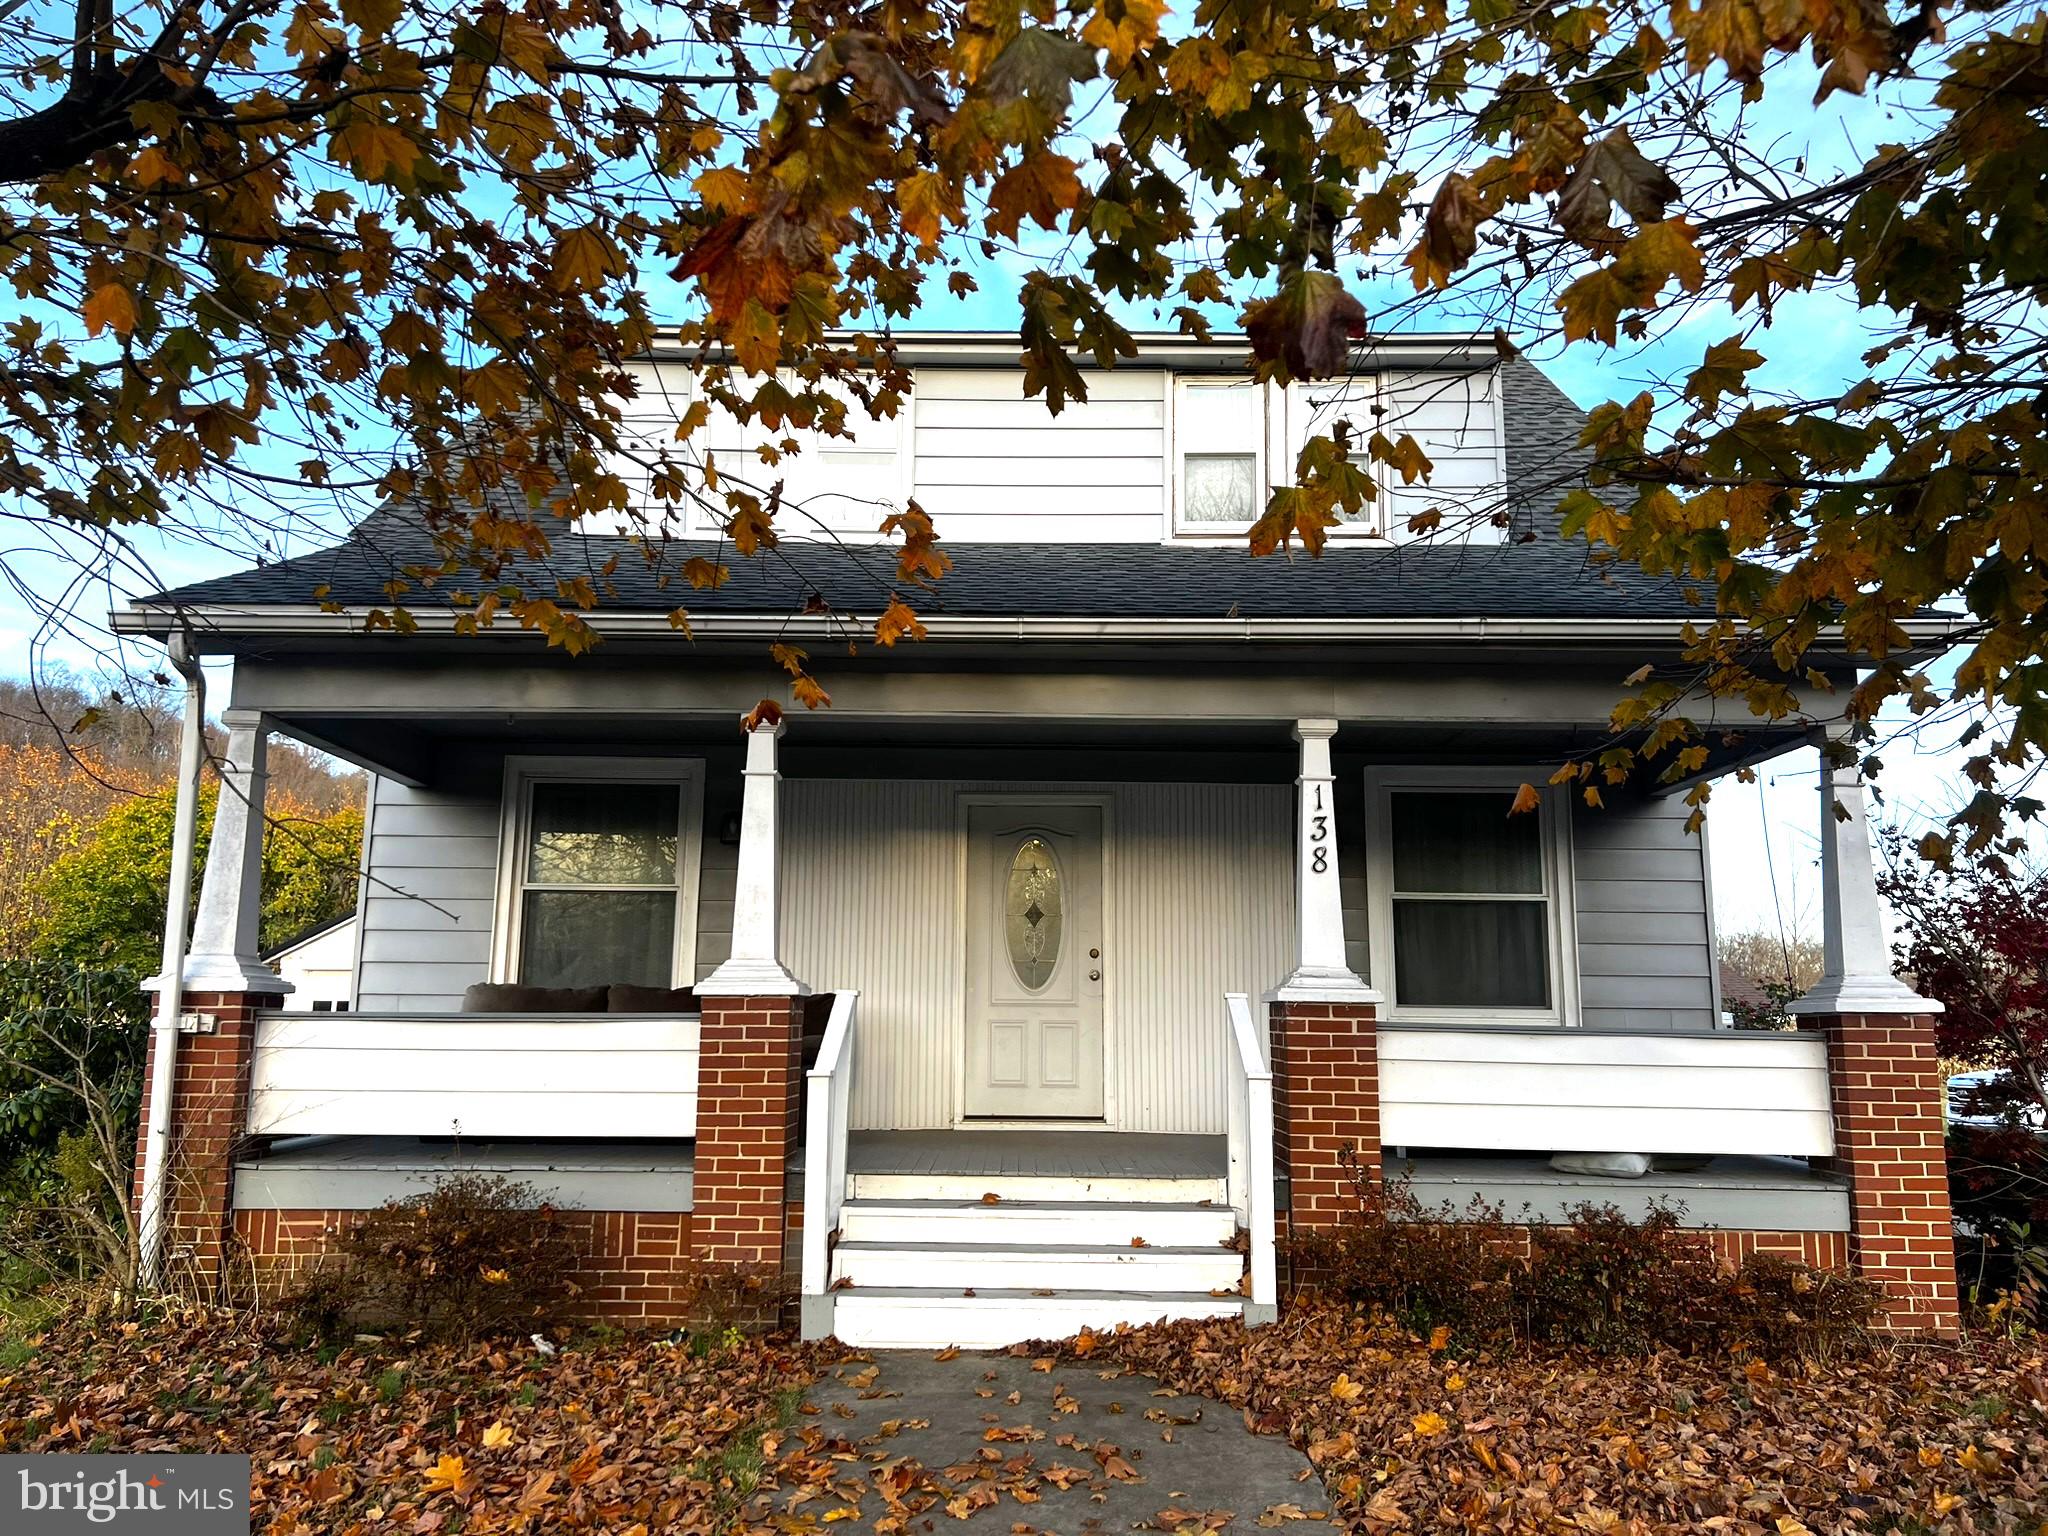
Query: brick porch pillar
[[1326, 1096], [1883, 1072], [747, 1104], [748, 1090], [1890, 1141], [209, 1110]]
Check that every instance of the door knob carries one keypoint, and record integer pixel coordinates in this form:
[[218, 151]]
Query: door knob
[[1095, 975]]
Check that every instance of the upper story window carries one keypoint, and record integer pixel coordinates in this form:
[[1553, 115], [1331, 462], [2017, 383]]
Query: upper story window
[[1468, 925], [599, 874], [1219, 457], [841, 482], [1234, 439]]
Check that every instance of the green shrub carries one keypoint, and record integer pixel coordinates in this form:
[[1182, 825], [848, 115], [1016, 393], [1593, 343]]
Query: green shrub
[[474, 1255], [1598, 1280], [58, 1020], [73, 1041]]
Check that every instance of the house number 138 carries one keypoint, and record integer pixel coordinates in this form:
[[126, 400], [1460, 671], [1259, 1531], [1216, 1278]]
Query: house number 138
[[1319, 837]]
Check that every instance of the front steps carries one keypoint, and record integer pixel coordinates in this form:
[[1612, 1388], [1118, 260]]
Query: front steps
[[928, 1260]]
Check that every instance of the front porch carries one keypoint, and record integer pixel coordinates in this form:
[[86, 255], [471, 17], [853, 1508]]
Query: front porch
[[1146, 1004]]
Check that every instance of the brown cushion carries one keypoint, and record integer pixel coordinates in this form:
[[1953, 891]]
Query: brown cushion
[[494, 997], [622, 998]]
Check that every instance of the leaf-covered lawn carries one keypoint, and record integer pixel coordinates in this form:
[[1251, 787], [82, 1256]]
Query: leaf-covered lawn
[[1409, 1438], [640, 1438], [605, 1436]]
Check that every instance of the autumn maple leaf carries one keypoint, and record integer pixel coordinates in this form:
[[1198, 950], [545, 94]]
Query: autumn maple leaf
[[1307, 327], [450, 1475]]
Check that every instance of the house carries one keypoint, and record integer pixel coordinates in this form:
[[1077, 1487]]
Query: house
[[1078, 952], [319, 967]]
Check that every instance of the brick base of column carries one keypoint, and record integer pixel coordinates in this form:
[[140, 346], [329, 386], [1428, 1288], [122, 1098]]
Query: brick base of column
[[1326, 1097], [209, 1111], [1890, 1141], [747, 1107], [634, 1268]]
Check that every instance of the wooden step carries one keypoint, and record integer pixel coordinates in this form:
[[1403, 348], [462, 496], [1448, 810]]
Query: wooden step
[[1038, 1267], [1085, 1223], [1059, 1188]]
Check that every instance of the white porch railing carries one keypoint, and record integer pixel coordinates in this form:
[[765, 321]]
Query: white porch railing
[[1578, 1090], [826, 1094], [1250, 1171], [598, 1075]]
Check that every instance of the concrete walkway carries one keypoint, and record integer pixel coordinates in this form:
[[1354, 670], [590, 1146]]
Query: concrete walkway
[[905, 1442]]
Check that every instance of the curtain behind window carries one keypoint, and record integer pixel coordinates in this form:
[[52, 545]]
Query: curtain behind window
[[1457, 942]]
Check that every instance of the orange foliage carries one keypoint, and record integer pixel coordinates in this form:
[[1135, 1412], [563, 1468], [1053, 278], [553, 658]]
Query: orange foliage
[[50, 800]]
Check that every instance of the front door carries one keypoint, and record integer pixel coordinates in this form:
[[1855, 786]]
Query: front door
[[1034, 961]]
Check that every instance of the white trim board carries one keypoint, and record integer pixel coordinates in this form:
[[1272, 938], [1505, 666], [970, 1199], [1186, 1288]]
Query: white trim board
[[1560, 895]]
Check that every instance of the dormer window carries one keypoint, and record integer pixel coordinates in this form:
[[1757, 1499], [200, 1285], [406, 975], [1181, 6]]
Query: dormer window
[[1219, 430], [1220, 487]]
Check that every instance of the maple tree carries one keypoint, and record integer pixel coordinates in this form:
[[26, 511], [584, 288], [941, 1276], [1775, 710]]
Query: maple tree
[[1975, 939], [284, 254]]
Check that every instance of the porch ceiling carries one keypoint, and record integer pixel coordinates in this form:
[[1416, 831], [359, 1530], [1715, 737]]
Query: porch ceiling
[[404, 718], [828, 745]]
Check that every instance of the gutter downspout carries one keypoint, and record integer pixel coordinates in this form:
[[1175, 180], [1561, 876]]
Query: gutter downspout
[[170, 995]]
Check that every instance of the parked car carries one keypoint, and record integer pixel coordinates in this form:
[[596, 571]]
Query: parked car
[[1965, 1091]]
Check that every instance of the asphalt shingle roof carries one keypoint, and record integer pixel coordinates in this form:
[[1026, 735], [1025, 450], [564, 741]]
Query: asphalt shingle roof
[[1548, 579]]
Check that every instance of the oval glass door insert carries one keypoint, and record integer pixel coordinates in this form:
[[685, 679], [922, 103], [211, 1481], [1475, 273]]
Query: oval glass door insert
[[1032, 912]]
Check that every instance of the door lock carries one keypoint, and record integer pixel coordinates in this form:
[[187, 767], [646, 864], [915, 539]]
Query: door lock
[[1094, 954]]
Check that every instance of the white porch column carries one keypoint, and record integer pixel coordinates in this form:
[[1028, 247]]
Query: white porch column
[[227, 932], [754, 968], [1856, 975], [1320, 974]]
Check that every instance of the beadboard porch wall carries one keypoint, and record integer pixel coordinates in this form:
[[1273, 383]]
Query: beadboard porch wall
[[1199, 902]]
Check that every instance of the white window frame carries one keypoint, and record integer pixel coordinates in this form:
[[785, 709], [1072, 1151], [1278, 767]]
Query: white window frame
[[729, 439], [1560, 932], [1176, 490], [1298, 422], [515, 824]]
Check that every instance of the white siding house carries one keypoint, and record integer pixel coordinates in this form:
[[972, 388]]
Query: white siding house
[[321, 968], [1151, 878]]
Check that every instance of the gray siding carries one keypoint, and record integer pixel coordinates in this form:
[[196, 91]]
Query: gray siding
[[1350, 807], [1646, 958], [430, 881], [430, 861]]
